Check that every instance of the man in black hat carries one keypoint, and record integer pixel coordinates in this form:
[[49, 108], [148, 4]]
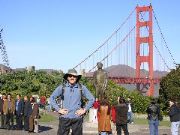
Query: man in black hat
[[71, 112]]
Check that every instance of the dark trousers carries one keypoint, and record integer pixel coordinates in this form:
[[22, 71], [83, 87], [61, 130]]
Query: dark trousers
[[124, 127], [19, 121], [26, 123], [10, 120], [65, 124], [3, 121]]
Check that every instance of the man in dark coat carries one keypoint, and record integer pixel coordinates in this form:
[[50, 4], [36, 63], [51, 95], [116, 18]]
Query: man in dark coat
[[121, 117], [1, 110], [19, 106], [3, 117], [34, 115], [27, 112], [174, 114], [153, 111], [9, 110]]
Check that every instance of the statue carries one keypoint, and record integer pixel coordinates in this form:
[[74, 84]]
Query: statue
[[100, 79]]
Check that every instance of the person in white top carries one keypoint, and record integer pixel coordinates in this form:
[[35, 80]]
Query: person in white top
[[130, 113]]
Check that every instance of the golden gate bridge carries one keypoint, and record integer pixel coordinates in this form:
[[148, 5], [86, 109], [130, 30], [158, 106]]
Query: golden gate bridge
[[139, 44]]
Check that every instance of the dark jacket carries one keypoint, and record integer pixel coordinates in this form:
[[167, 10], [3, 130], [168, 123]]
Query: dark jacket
[[174, 113], [27, 108], [121, 113], [153, 112], [1, 105], [20, 107]]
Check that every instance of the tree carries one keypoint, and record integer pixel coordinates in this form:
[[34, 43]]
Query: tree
[[170, 87], [28, 83], [43, 83]]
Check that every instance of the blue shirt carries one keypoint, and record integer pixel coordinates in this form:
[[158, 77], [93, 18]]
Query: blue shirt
[[17, 102], [72, 99]]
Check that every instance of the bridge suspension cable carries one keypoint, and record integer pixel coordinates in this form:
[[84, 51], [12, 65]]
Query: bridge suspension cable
[[107, 40], [115, 47], [156, 46], [165, 43]]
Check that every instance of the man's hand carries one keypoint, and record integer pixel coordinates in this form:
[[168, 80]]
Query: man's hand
[[63, 111], [80, 112]]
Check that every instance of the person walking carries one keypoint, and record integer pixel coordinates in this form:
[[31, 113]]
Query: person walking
[[71, 112], [104, 119], [121, 117], [153, 112], [174, 114]]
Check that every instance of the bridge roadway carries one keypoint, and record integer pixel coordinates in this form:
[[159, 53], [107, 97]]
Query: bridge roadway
[[131, 80], [89, 128]]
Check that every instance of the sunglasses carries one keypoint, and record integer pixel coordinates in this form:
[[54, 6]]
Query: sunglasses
[[72, 76]]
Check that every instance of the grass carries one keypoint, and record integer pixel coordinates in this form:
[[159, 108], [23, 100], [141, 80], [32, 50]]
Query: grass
[[141, 121], [47, 118]]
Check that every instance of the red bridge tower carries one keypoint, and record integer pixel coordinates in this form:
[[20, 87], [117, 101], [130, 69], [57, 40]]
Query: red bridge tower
[[140, 40]]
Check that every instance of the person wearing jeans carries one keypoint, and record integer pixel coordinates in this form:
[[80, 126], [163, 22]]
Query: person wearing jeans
[[174, 114], [153, 112], [130, 113], [153, 127]]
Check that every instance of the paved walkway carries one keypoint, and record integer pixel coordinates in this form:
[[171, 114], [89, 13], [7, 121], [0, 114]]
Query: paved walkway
[[50, 128]]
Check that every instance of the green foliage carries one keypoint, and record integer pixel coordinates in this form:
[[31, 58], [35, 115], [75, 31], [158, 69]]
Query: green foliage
[[28, 83], [170, 87], [139, 101], [43, 83], [47, 118], [114, 91]]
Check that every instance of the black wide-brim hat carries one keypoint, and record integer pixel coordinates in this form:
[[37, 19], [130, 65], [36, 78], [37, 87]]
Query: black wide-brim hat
[[72, 72]]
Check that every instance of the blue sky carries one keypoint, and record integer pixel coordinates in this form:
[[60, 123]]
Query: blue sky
[[58, 34]]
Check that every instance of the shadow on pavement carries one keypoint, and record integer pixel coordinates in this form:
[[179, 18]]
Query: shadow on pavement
[[44, 128]]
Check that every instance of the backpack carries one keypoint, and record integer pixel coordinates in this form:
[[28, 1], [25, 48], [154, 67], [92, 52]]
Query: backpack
[[83, 99]]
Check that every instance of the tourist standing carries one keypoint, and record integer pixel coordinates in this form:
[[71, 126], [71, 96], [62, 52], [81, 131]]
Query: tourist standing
[[9, 110], [174, 114], [3, 116], [121, 117], [27, 112], [19, 108], [153, 112], [104, 118], [130, 113], [34, 116], [71, 112]]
